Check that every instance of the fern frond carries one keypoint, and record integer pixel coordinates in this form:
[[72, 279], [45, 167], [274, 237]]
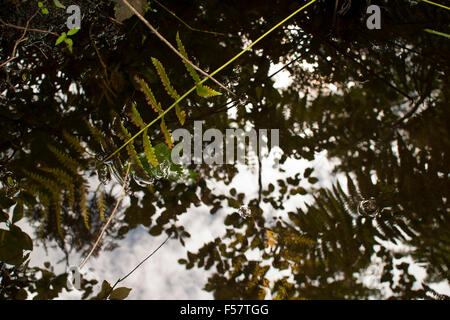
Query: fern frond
[[73, 142], [96, 133], [65, 179], [37, 190], [43, 222], [83, 207], [130, 147], [181, 115], [136, 117], [57, 206], [149, 150], [100, 198], [202, 90], [167, 135], [69, 162], [165, 79], [189, 68], [44, 182], [150, 97], [205, 91]]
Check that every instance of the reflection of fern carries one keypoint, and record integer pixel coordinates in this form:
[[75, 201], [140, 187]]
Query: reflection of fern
[[63, 183]]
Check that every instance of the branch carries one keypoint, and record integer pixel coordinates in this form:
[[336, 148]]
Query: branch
[[135, 268], [187, 25], [28, 29], [21, 39]]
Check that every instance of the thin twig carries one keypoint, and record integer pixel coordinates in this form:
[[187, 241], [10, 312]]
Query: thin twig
[[28, 29], [98, 53], [173, 48], [21, 39], [187, 25], [109, 219], [139, 264]]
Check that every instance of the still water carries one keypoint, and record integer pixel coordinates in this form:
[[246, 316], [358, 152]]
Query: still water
[[350, 202]]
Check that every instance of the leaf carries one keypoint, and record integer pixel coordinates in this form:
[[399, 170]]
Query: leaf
[[271, 240], [40, 4], [71, 32], [189, 68], [106, 287], [44, 10], [165, 79], [59, 4], [149, 150], [130, 147], [136, 117], [83, 207], [205, 91], [167, 135], [61, 38], [308, 172], [100, 199], [10, 181], [73, 142], [181, 115], [119, 293], [313, 180], [18, 213], [202, 90], [69, 43]]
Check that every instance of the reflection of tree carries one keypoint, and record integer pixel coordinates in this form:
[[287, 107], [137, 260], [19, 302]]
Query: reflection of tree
[[391, 124]]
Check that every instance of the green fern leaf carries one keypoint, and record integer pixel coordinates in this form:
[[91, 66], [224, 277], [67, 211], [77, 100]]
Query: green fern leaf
[[149, 150], [205, 91], [165, 79], [136, 117], [131, 149], [150, 97], [181, 115], [167, 135], [189, 68], [202, 90]]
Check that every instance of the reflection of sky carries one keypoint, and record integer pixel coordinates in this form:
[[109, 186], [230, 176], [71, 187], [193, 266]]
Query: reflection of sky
[[162, 277]]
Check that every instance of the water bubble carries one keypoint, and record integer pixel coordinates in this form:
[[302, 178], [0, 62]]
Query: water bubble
[[165, 168], [103, 172], [368, 207]]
